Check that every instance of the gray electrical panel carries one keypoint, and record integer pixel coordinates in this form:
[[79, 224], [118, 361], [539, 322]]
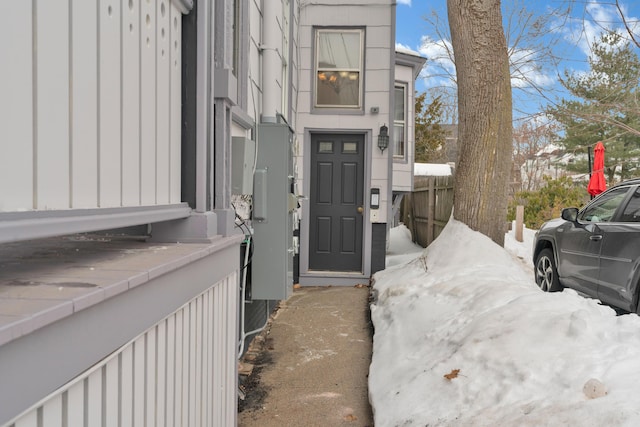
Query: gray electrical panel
[[243, 152], [272, 220]]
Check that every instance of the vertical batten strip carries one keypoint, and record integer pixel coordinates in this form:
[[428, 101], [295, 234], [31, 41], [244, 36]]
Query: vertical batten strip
[[150, 379], [179, 383], [140, 48], [84, 93], [94, 396], [171, 371], [75, 405], [139, 381], [52, 412], [70, 66], [161, 385], [217, 368], [121, 107], [186, 363], [130, 111], [127, 380], [198, 350], [111, 397], [110, 87], [53, 92], [193, 369], [98, 109], [175, 64], [34, 102], [206, 353], [163, 108], [230, 355], [148, 103]]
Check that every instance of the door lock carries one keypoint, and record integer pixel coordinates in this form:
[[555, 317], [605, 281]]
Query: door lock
[[360, 209]]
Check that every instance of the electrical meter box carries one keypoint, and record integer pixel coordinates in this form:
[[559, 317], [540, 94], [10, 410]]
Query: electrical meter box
[[243, 153], [272, 220]]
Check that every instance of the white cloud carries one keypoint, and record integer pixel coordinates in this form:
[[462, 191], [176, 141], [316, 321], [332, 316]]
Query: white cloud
[[405, 2], [440, 69], [526, 70], [597, 19]]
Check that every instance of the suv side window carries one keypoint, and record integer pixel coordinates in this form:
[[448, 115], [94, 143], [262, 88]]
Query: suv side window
[[603, 209], [632, 210]]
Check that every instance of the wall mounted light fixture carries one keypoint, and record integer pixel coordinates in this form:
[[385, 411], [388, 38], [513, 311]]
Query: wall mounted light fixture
[[383, 138]]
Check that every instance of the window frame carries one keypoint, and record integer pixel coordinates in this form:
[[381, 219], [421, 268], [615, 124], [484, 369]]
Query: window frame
[[592, 212], [405, 89], [348, 109]]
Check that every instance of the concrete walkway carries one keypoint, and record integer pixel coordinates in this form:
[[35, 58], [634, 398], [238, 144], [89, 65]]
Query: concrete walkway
[[312, 369]]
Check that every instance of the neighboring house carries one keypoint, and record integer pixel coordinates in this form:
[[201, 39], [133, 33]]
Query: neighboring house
[[551, 162], [408, 67], [450, 154], [143, 125]]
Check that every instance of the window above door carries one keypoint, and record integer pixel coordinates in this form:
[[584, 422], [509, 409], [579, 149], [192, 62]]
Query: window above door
[[338, 68]]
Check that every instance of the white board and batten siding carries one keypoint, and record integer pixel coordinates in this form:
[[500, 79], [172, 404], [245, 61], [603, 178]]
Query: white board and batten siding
[[174, 374], [90, 104]]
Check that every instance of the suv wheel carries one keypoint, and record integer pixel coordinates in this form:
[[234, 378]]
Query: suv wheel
[[546, 272]]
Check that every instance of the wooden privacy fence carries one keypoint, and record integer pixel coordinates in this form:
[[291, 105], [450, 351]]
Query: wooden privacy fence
[[427, 209]]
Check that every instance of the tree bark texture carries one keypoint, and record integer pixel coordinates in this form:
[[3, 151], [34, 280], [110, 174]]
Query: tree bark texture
[[485, 116]]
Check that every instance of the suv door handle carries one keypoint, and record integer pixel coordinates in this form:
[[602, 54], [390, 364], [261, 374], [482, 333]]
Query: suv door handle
[[596, 237]]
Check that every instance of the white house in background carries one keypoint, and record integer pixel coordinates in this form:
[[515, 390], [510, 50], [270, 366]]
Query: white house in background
[[130, 130]]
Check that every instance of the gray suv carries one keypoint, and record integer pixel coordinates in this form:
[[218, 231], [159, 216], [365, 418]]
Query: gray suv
[[595, 250]]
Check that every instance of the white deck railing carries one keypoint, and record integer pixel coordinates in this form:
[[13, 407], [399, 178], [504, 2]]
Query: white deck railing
[[174, 374]]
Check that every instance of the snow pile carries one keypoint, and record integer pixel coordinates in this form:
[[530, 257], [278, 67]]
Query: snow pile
[[463, 337], [401, 248]]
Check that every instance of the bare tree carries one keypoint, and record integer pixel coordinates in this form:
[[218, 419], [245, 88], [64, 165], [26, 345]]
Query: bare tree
[[530, 138], [532, 41], [485, 115], [632, 33]]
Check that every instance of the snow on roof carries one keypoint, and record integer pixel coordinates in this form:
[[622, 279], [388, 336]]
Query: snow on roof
[[400, 48], [431, 169], [549, 149]]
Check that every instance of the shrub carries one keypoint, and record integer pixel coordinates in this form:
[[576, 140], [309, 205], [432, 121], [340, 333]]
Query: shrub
[[548, 202]]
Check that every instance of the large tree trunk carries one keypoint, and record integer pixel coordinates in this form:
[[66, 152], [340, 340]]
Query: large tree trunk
[[485, 118]]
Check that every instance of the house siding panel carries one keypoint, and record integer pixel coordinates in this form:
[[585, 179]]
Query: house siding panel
[[89, 81], [131, 47], [163, 110], [51, 175], [109, 145], [16, 109], [84, 100]]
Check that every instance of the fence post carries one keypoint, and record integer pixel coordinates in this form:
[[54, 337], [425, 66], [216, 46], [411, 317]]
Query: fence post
[[519, 222], [414, 224], [432, 210]]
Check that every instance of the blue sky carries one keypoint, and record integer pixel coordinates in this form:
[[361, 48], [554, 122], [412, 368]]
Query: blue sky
[[568, 37]]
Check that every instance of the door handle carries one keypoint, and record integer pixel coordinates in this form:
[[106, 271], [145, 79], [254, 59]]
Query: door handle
[[596, 237], [360, 209]]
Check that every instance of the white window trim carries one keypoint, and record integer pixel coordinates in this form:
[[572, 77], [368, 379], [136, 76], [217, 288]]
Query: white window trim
[[404, 86], [360, 70]]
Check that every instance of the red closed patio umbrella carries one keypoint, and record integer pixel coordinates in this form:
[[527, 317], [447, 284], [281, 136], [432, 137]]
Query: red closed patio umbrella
[[597, 182]]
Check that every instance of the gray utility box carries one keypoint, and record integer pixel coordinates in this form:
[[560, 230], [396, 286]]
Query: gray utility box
[[242, 155], [272, 220]]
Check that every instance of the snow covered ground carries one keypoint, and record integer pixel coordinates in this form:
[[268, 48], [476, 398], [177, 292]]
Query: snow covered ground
[[463, 337]]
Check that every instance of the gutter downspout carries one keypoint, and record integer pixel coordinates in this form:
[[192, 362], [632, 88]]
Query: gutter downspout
[[271, 62]]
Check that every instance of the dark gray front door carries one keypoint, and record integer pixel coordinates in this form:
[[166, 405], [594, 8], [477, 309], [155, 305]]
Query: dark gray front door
[[336, 217]]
